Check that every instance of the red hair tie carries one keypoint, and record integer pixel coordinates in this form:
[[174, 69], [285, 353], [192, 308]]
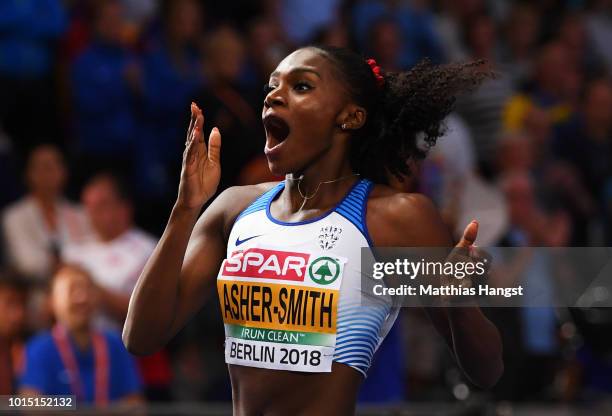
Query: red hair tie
[[377, 71]]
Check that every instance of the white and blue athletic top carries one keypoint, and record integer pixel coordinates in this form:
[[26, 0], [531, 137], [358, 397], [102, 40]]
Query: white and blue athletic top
[[333, 239]]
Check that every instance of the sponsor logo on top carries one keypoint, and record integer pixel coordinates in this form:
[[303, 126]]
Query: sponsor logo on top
[[267, 264], [324, 270]]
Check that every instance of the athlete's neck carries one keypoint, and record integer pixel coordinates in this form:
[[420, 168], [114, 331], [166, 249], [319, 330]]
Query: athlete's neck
[[308, 190]]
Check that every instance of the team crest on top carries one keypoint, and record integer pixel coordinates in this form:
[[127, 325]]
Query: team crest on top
[[328, 236]]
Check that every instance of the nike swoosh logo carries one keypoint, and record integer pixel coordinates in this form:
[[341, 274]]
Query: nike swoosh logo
[[239, 241]]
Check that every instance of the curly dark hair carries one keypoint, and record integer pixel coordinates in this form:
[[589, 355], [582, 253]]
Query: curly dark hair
[[409, 105]]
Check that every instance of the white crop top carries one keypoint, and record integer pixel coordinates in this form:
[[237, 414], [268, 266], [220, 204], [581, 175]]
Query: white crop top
[[290, 293]]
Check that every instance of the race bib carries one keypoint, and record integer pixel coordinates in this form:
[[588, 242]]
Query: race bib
[[280, 308]]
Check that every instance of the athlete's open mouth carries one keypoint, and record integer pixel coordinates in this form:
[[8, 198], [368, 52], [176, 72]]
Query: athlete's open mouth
[[276, 127]]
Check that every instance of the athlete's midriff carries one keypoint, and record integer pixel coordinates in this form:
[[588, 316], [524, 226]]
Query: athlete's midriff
[[263, 392]]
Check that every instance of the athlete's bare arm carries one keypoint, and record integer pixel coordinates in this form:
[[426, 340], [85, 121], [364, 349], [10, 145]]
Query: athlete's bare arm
[[156, 301], [185, 262], [411, 220]]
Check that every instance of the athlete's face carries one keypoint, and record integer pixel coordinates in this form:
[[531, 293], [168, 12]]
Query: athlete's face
[[302, 111]]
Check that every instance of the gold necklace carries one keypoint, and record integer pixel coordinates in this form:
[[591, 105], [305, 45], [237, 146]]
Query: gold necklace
[[307, 197]]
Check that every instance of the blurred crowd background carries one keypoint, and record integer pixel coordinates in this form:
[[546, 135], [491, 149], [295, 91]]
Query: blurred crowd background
[[94, 106]]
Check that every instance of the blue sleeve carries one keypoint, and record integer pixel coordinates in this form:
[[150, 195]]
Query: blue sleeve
[[125, 379], [36, 369]]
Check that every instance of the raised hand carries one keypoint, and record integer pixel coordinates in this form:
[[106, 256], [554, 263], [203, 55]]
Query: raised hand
[[201, 168]]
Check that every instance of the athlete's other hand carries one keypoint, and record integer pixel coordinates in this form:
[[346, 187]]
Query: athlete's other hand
[[469, 236], [466, 252], [201, 168], [467, 247]]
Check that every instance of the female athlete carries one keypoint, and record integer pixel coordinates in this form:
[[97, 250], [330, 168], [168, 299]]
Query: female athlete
[[286, 256]]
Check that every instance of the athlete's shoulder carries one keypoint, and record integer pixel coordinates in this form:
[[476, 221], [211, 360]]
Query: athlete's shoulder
[[404, 219], [247, 191], [235, 199], [399, 206]]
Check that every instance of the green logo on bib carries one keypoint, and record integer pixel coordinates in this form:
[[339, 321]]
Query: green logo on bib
[[324, 270]]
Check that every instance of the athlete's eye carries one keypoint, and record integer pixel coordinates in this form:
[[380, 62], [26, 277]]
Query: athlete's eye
[[302, 86], [267, 88]]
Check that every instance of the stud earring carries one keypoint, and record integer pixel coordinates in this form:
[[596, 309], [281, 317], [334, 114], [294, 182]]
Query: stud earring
[[343, 127]]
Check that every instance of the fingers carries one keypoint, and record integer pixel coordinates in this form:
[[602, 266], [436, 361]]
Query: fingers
[[190, 147], [191, 122], [469, 235], [200, 145], [196, 146], [214, 146], [200, 125]]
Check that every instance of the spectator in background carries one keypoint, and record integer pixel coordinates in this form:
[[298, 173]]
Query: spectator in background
[[335, 35], [451, 21], [535, 220], [515, 153], [521, 31], [528, 151], [416, 26], [103, 81], [537, 125], [530, 332], [301, 19], [449, 177], [74, 358], [482, 109], [266, 47], [234, 108], [385, 44], [28, 29], [171, 75], [599, 29], [12, 325], [37, 226], [587, 141], [140, 13], [573, 35], [586, 144], [551, 87], [9, 176], [532, 150], [607, 213], [114, 259], [117, 253], [447, 167]]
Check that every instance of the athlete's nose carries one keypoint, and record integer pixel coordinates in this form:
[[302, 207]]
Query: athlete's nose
[[274, 98]]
